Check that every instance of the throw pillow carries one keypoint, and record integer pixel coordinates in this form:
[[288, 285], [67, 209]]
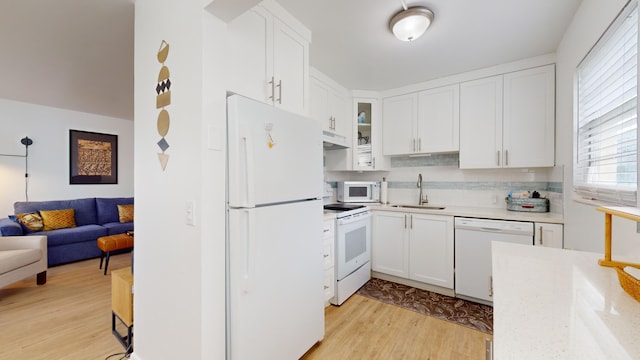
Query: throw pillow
[[58, 219], [126, 213], [30, 222]]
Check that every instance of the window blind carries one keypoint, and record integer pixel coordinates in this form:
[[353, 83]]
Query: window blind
[[606, 146]]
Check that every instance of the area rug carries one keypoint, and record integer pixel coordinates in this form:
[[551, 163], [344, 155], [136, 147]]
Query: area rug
[[462, 312]]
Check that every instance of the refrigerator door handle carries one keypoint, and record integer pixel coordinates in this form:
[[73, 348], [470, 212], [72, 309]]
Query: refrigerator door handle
[[249, 198], [247, 277]]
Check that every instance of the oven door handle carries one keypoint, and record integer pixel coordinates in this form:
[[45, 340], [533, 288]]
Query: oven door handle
[[353, 218]]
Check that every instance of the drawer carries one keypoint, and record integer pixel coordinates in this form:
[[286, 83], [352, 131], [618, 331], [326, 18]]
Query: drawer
[[327, 254], [328, 229], [329, 284]]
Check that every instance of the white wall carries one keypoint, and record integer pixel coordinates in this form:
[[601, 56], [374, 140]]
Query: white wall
[[584, 226], [179, 269], [48, 161]]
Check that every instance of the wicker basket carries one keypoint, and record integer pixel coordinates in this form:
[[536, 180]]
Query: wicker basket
[[629, 283]]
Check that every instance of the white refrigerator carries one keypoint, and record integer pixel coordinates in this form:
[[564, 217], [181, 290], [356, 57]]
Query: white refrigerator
[[275, 306]]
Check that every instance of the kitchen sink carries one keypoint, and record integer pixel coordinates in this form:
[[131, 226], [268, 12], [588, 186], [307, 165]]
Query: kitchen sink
[[425, 207]]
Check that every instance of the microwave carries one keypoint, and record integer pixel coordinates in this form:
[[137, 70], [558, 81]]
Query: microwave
[[358, 191]]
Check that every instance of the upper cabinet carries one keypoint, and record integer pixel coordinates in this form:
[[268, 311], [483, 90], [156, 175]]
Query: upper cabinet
[[481, 123], [399, 123], [269, 52], [529, 117], [422, 122], [439, 119], [367, 139], [330, 104], [508, 121]]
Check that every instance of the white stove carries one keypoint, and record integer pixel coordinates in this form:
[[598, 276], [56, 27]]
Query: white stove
[[352, 248], [343, 210]]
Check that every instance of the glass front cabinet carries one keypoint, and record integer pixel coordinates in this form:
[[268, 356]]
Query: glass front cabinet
[[367, 141]]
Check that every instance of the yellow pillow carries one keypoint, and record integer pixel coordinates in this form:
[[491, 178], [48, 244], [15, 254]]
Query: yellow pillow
[[58, 219], [126, 213]]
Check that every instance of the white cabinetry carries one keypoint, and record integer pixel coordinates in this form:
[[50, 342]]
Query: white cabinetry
[[508, 120], [549, 235], [529, 117], [439, 119], [399, 121], [269, 52], [328, 241], [431, 249], [330, 105], [367, 139], [481, 123], [422, 122], [414, 246], [390, 243]]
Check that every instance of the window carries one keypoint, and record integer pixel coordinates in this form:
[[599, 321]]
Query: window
[[606, 146]]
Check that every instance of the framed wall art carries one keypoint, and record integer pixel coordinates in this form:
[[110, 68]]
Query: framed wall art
[[93, 158]]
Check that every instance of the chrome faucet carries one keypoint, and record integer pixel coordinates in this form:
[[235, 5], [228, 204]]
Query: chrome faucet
[[421, 200]]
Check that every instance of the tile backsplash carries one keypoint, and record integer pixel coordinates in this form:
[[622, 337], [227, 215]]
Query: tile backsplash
[[445, 184]]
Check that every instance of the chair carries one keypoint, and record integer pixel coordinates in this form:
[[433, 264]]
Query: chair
[[21, 257]]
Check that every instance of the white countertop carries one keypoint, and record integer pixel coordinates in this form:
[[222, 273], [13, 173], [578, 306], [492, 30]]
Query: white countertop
[[329, 215], [560, 304], [479, 212]]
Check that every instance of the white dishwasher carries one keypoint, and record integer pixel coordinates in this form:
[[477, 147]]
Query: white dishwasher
[[473, 279]]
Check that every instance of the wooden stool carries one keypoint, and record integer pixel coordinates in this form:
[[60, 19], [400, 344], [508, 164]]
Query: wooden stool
[[110, 243]]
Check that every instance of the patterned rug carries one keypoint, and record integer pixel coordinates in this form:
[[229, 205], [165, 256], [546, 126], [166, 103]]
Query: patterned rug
[[459, 311]]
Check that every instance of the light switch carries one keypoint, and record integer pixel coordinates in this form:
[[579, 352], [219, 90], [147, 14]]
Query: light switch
[[190, 213]]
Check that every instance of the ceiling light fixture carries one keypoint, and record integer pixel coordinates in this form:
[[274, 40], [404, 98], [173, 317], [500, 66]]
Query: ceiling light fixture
[[410, 23]]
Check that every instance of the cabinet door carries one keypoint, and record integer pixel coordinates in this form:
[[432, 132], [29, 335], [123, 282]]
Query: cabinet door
[[399, 118], [319, 104], [250, 44], [389, 243], [550, 235], [438, 127], [481, 123], [290, 69], [431, 249], [367, 137], [529, 117], [339, 106]]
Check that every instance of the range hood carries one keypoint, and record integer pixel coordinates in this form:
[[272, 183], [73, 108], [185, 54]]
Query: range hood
[[333, 141]]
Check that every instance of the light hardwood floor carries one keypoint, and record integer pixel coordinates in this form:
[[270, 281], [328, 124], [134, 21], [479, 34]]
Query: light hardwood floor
[[67, 318], [70, 318], [362, 328]]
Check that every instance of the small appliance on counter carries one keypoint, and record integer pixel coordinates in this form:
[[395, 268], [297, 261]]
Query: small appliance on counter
[[358, 191], [526, 201]]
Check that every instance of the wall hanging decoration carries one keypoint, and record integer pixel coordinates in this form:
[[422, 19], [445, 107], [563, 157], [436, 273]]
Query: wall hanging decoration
[[163, 99], [93, 158]]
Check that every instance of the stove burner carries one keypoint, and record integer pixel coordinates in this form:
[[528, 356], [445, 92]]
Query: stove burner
[[342, 207]]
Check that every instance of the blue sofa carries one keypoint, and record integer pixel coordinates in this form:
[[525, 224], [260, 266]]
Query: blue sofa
[[95, 217]]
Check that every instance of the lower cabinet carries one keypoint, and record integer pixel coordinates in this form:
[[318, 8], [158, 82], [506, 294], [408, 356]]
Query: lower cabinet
[[328, 241], [550, 235], [414, 246]]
